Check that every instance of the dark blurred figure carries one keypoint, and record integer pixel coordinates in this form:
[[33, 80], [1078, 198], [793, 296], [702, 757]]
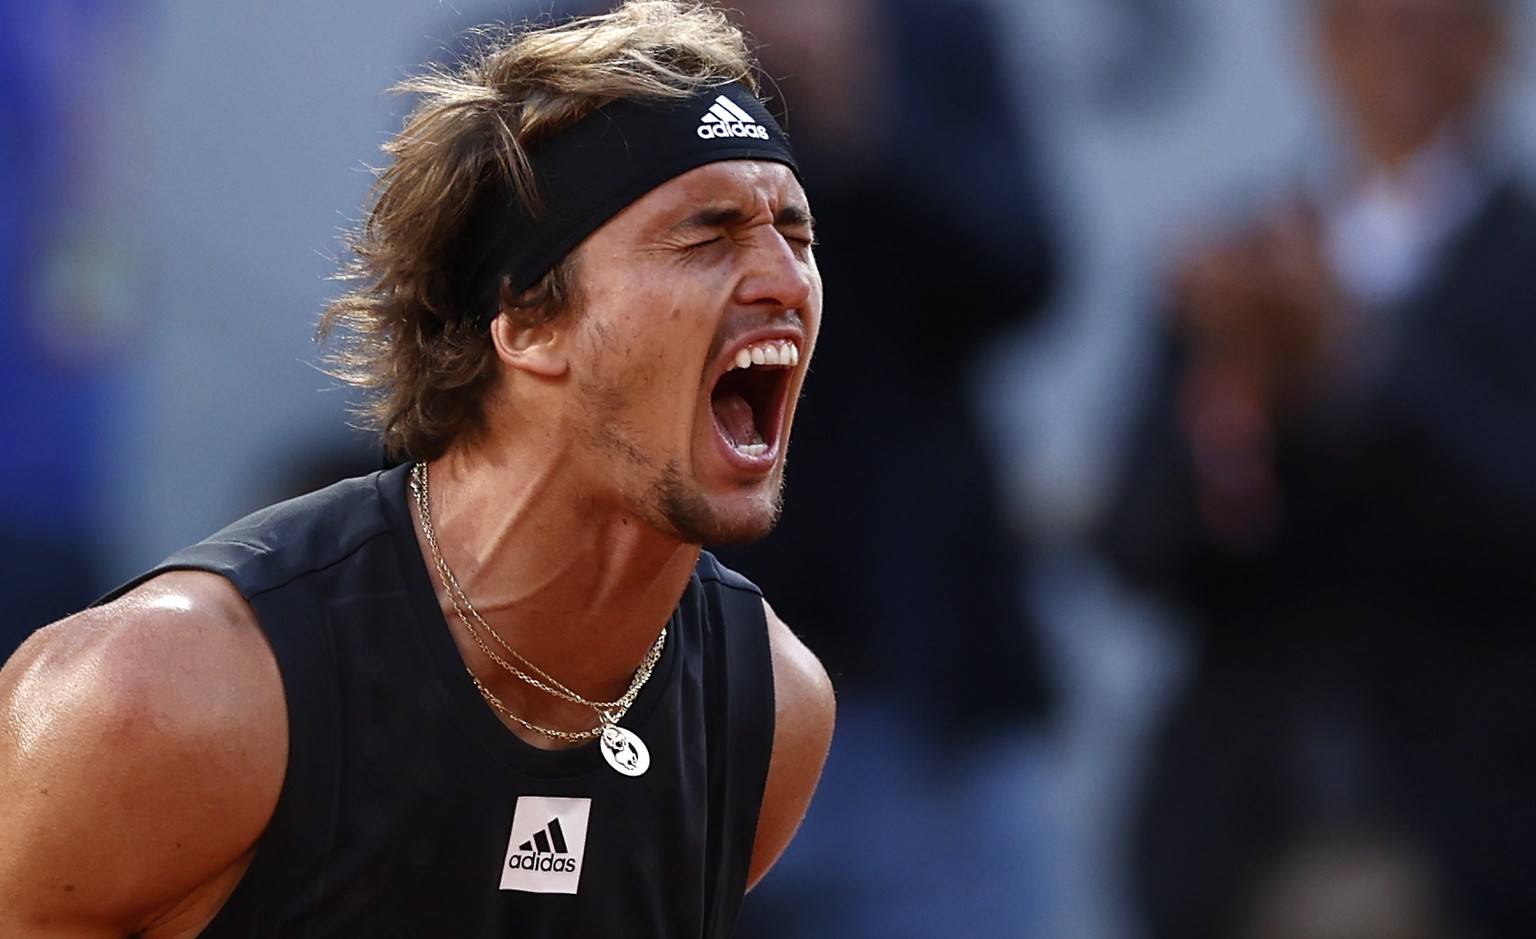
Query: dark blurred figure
[[1337, 481], [63, 312], [893, 558]]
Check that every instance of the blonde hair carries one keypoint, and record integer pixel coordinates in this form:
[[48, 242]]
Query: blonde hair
[[400, 333]]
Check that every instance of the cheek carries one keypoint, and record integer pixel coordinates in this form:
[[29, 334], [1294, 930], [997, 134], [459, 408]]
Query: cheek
[[647, 342], [645, 375]]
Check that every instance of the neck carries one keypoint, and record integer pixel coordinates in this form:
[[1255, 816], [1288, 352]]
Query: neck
[[580, 589]]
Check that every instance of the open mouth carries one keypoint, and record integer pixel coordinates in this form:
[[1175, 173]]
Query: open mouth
[[748, 400]]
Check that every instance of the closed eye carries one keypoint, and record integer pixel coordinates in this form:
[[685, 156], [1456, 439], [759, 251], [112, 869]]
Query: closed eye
[[801, 241], [795, 224]]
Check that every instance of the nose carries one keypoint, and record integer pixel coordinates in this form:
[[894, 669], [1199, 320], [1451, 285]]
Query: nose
[[778, 273]]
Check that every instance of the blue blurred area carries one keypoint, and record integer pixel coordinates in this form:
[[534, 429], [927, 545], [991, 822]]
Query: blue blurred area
[[67, 296]]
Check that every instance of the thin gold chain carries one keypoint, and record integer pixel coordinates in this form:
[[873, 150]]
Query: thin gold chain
[[572, 735], [608, 712]]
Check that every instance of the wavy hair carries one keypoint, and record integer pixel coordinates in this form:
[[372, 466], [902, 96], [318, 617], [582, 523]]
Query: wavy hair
[[398, 333]]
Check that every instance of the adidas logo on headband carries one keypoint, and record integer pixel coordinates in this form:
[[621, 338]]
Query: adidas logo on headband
[[725, 119], [590, 171]]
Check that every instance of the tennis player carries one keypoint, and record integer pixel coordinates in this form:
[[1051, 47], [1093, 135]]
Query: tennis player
[[498, 690]]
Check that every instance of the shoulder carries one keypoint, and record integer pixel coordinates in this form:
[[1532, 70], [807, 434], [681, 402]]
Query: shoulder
[[152, 728], [803, 698], [290, 539], [804, 712], [802, 690], [710, 571]]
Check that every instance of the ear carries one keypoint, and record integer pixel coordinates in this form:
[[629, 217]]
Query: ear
[[539, 350]]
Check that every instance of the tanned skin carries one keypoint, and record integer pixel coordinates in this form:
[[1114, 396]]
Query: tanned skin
[[143, 743]]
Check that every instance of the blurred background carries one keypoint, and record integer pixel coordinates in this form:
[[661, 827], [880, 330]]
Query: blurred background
[[1165, 498]]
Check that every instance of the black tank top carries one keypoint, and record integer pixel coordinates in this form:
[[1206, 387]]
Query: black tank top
[[408, 809]]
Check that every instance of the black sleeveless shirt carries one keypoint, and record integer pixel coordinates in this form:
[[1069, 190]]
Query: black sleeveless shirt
[[408, 809]]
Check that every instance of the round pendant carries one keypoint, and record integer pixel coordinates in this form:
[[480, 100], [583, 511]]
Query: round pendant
[[624, 751]]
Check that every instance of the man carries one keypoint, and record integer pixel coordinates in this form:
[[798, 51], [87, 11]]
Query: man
[[1335, 481], [498, 690]]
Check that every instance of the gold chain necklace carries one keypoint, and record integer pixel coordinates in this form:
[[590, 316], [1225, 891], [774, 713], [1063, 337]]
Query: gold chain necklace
[[623, 750]]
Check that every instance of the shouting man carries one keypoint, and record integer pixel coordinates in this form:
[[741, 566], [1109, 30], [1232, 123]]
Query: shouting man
[[498, 690]]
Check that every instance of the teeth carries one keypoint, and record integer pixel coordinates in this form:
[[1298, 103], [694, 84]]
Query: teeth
[[753, 449], [772, 352]]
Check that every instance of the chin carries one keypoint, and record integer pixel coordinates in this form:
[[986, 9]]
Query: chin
[[736, 532], [694, 517]]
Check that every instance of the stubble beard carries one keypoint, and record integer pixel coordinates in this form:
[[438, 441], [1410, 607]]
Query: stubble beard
[[673, 504], [693, 519]]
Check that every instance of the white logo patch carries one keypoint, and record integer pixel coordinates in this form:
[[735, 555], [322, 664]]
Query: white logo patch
[[726, 119], [549, 837]]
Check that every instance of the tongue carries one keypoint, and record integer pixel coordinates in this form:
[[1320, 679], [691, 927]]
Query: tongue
[[734, 415]]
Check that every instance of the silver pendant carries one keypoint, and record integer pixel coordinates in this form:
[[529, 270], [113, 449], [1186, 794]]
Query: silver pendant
[[624, 751]]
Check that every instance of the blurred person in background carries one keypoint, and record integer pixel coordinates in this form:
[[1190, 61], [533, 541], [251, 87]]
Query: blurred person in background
[[1336, 481], [895, 561], [66, 296]]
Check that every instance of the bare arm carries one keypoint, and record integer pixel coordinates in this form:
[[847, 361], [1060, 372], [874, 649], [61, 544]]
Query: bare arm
[[803, 717], [142, 749]]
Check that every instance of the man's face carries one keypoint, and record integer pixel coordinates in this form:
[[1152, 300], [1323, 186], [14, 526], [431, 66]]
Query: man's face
[[1402, 68], [707, 271]]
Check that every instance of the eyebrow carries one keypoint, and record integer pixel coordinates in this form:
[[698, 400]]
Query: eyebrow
[[726, 216]]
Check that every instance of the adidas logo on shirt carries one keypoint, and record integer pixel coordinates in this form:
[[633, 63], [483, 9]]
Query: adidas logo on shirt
[[726, 119], [544, 851]]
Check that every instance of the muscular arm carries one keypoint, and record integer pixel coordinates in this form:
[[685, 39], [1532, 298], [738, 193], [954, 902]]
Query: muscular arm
[[142, 747], [803, 717]]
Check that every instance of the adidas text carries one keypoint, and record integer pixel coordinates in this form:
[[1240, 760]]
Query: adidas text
[[707, 131], [725, 118], [541, 862]]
